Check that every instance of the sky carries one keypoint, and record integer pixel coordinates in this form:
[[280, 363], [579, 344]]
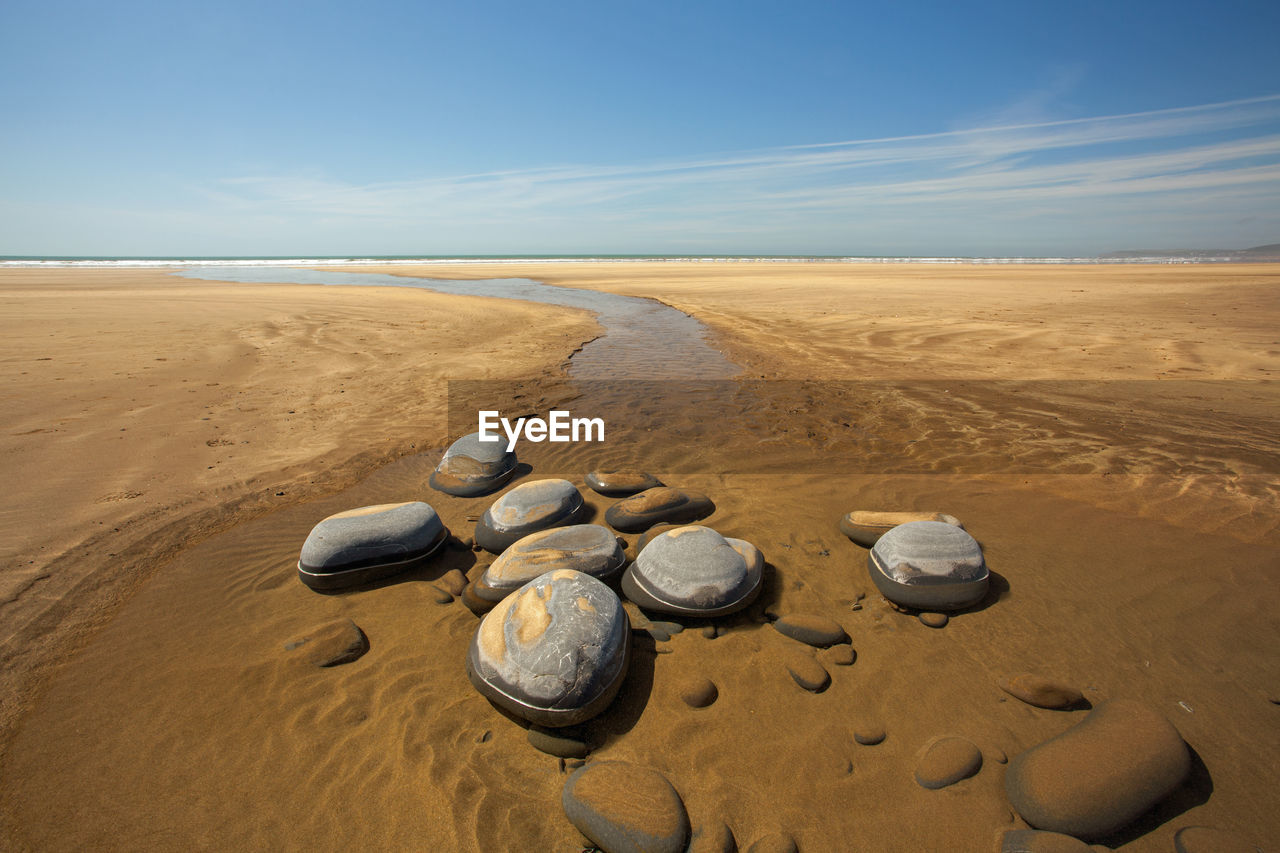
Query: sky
[[806, 128]]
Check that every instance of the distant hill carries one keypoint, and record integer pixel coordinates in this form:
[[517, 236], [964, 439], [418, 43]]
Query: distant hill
[[1269, 252]]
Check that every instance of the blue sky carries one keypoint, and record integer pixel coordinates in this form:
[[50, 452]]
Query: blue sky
[[915, 128]]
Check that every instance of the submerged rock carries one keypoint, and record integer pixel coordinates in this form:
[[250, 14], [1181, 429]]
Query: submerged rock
[[527, 508], [621, 484], [946, 761], [1100, 774], [624, 808], [866, 528], [555, 651], [472, 467], [588, 548], [929, 565], [362, 545], [653, 506], [694, 571]]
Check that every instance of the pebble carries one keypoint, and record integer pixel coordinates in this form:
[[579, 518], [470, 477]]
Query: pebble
[[866, 527], [841, 655], [588, 548], [557, 743], [869, 734], [372, 542], [621, 484], [1037, 841], [454, 581], [946, 761], [555, 651], [332, 644], [698, 692], [713, 837], [934, 620], [1204, 839], [624, 808], [811, 629], [808, 673], [694, 571], [1041, 692], [929, 565], [528, 508], [776, 842], [441, 596], [710, 631], [471, 467], [652, 506], [1100, 774]]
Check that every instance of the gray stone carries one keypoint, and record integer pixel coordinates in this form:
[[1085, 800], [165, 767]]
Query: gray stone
[[588, 548], [807, 672], [555, 651], [694, 571], [811, 629], [557, 743], [654, 506], [929, 565], [933, 620], [362, 545], [866, 527], [331, 644], [472, 467], [621, 484], [1205, 839], [1037, 841], [528, 508], [946, 761], [624, 808], [1042, 692], [1101, 774]]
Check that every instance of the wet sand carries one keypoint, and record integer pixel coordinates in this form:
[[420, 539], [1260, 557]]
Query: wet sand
[[183, 722]]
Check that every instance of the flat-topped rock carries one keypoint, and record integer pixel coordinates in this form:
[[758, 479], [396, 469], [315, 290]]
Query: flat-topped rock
[[946, 761], [811, 629], [653, 506], [625, 808], [694, 571], [621, 484], [929, 565], [471, 467], [528, 508], [1101, 774], [1041, 692], [555, 651], [865, 527], [362, 545], [588, 548]]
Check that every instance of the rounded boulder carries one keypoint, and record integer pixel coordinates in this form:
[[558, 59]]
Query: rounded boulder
[[472, 467], [694, 571], [372, 542], [588, 548], [528, 508], [654, 506], [929, 565]]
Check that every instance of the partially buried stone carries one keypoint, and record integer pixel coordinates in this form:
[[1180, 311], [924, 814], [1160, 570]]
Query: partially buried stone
[[866, 527], [625, 808], [713, 837], [776, 842], [441, 596], [554, 652], [557, 744], [620, 484], [471, 467], [1204, 839], [454, 581], [946, 761], [362, 545], [841, 655], [811, 629], [869, 734], [929, 565], [331, 644], [1038, 841], [934, 620], [1041, 692], [528, 508], [588, 548], [653, 506], [698, 692], [807, 672], [694, 571], [1101, 774]]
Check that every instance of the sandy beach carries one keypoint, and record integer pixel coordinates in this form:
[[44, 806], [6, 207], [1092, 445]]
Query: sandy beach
[[1108, 433]]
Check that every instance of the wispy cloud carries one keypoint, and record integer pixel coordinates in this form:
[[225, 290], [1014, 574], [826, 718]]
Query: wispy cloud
[[1224, 154]]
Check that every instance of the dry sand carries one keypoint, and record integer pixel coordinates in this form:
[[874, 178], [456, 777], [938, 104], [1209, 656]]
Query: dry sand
[[183, 723]]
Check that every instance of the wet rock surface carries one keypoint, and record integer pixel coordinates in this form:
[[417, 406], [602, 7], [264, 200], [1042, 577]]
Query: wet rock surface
[[619, 484], [865, 527], [362, 545], [528, 508], [588, 548], [653, 506], [471, 467]]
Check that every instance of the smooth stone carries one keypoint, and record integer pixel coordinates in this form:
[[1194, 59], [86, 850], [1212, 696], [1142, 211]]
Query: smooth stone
[[652, 506], [841, 655], [699, 692], [365, 544], [713, 837], [471, 467], [710, 631], [441, 596], [555, 651], [776, 842], [869, 734], [653, 533], [621, 484], [807, 672], [559, 745], [1204, 839], [1101, 773], [1041, 692], [866, 527], [1038, 841], [624, 808], [946, 761], [528, 508], [694, 571], [332, 644], [588, 548], [929, 565], [454, 581], [934, 620], [811, 629]]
